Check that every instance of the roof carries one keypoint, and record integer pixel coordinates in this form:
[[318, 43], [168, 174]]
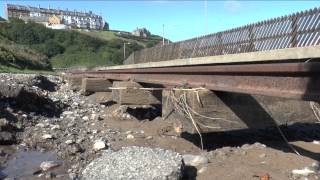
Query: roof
[[53, 11], [35, 19]]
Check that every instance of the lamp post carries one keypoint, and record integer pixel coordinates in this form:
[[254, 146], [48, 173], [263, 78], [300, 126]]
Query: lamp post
[[162, 34], [124, 50]]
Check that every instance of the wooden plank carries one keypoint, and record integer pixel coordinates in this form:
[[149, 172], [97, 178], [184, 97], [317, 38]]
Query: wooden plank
[[132, 96], [300, 53], [90, 85]]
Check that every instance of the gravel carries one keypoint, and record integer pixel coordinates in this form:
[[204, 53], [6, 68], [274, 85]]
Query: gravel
[[135, 163]]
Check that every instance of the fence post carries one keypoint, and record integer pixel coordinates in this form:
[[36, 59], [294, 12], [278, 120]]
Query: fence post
[[294, 30]]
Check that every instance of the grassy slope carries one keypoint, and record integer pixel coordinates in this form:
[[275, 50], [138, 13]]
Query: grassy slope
[[32, 46], [19, 58]]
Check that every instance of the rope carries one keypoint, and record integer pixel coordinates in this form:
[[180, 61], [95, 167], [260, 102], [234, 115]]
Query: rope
[[285, 139], [315, 109]]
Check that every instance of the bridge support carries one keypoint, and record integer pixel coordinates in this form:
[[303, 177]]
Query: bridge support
[[132, 93], [75, 82], [220, 111], [91, 85]]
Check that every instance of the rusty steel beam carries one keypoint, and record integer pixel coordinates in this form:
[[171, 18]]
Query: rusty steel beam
[[288, 80]]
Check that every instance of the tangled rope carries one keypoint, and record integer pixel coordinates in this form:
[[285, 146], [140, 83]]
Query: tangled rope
[[315, 109], [181, 105]]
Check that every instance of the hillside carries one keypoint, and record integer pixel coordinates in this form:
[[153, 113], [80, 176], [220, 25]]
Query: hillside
[[64, 48], [125, 36], [16, 57]]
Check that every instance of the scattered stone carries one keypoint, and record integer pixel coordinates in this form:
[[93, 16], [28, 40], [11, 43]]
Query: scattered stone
[[194, 160], [149, 137], [47, 136], [99, 145], [47, 165], [303, 172], [85, 118], [130, 136], [69, 141]]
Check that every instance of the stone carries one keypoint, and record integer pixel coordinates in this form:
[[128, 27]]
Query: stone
[[99, 145], [47, 165], [194, 160], [55, 127], [3, 122], [47, 136], [85, 118], [303, 172], [130, 136], [69, 141]]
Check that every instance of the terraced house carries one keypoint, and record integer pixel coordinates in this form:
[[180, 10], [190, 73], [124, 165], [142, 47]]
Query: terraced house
[[56, 18]]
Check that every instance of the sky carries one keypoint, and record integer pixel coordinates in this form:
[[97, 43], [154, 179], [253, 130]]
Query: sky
[[181, 19]]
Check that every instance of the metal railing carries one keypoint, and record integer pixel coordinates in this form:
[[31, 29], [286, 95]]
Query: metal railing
[[296, 30]]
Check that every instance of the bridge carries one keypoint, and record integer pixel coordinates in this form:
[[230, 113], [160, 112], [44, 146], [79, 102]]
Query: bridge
[[270, 69]]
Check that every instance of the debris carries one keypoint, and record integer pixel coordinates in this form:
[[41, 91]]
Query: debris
[[130, 136], [47, 165], [303, 172], [194, 160], [47, 136], [99, 145]]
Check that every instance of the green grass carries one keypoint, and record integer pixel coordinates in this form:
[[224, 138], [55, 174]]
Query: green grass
[[10, 69], [33, 46]]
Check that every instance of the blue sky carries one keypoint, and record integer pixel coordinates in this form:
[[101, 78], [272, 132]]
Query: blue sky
[[182, 19]]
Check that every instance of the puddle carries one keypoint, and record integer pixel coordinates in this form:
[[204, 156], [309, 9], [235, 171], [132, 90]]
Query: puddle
[[23, 164]]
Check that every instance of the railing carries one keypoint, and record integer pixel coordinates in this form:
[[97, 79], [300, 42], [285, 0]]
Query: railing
[[295, 30]]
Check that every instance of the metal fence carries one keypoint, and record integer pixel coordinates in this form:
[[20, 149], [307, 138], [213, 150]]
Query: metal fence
[[296, 30]]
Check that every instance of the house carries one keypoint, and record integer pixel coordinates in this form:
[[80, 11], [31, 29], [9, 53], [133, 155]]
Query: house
[[141, 32], [73, 19]]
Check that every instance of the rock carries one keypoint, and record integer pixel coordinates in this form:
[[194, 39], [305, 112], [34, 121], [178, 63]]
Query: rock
[[55, 127], [130, 136], [135, 163], [194, 160], [47, 136], [202, 169], [262, 155], [69, 141], [85, 118], [149, 137], [3, 122], [99, 145], [67, 113], [47, 165], [40, 125], [303, 172]]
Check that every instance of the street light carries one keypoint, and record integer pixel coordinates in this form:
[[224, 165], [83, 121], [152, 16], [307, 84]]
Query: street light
[[124, 50]]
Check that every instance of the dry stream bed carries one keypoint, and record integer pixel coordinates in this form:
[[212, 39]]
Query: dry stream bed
[[48, 130]]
